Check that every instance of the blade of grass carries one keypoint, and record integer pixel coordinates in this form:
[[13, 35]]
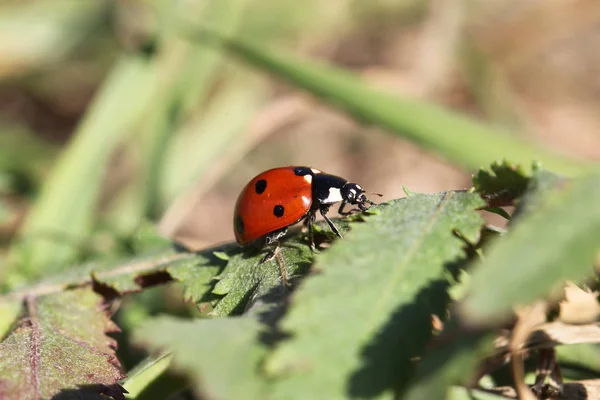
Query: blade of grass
[[456, 137], [146, 373], [208, 144], [63, 215], [188, 73]]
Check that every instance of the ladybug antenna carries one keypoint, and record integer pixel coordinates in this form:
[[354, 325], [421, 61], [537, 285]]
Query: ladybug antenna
[[377, 194]]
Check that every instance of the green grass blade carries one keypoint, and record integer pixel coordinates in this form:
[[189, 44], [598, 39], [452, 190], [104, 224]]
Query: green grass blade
[[199, 153], [63, 215], [145, 373], [456, 137]]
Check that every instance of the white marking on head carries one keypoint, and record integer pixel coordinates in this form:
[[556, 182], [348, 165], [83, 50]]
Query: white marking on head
[[360, 187], [334, 196], [308, 178], [315, 171]]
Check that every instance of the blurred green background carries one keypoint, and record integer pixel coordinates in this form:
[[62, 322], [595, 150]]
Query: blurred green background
[[111, 120]]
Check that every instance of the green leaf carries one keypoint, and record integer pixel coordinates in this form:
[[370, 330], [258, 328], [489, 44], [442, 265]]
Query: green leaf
[[63, 215], [456, 137], [539, 190], [584, 356], [246, 276], [131, 275], [503, 182], [221, 355], [559, 241], [197, 276], [357, 323], [60, 344]]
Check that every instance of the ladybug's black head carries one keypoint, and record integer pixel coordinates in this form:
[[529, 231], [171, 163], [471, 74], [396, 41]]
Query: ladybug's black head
[[354, 194]]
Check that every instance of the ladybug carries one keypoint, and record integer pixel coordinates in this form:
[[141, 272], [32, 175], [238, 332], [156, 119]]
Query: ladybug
[[281, 197]]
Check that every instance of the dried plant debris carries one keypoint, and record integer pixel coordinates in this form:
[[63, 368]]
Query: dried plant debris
[[580, 306]]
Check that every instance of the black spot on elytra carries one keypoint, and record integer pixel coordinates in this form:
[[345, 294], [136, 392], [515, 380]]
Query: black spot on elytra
[[301, 171], [278, 211], [260, 186], [239, 224]]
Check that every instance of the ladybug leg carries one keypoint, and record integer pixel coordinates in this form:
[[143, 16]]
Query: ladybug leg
[[324, 209], [273, 240], [309, 221], [341, 209], [346, 213]]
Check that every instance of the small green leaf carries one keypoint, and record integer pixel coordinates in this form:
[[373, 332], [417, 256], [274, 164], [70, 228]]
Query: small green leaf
[[556, 242], [246, 276], [221, 255], [503, 182], [356, 325], [407, 191], [220, 356], [196, 276], [60, 344]]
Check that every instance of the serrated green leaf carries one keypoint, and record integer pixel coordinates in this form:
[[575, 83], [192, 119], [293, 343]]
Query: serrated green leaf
[[60, 344], [121, 276], [557, 242], [246, 276], [356, 325], [196, 277], [128, 277], [221, 359], [502, 182], [456, 137]]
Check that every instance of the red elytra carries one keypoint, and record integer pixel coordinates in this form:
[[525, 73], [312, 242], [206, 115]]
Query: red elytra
[[280, 197]]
